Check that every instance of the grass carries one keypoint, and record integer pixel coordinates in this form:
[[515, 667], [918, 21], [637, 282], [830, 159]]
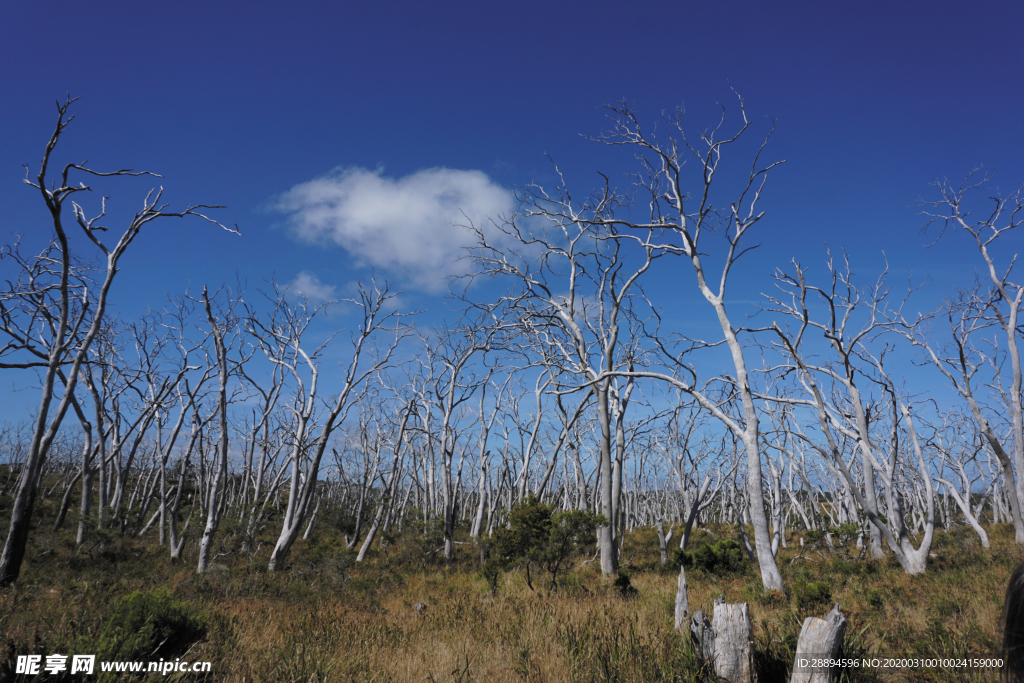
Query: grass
[[325, 618]]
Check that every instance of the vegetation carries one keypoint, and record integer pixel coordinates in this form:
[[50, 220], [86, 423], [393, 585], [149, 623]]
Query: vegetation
[[149, 625], [326, 618], [336, 516], [537, 534], [724, 557]]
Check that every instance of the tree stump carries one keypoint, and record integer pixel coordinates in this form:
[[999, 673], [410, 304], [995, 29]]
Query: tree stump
[[733, 642], [703, 635], [682, 601], [819, 639]]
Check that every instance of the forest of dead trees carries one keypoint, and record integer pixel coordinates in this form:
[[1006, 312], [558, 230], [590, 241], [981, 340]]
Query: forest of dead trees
[[237, 412]]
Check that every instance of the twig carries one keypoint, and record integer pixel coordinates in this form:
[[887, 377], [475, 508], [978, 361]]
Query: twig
[[586, 562]]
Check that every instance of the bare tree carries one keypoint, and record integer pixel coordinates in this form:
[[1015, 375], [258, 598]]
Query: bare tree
[[676, 226], [848, 416], [1003, 304], [222, 327], [968, 317], [51, 298], [450, 381], [387, 494], [373, 305], [573, 288], [960, 447]]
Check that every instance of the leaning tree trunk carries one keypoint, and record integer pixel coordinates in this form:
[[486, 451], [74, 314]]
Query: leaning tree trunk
[[66, 502], [86, 503], [965, 508], [663, 540]]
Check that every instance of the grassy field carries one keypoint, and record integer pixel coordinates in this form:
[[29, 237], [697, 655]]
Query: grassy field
[[327, 619]]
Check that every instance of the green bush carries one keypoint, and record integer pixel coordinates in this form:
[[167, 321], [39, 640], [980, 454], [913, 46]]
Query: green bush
[[810, 594], [328, 558], [491, 572], [149, 625], [624, 586], [844, 533], [724, 557], [424, 544], [536, 534]]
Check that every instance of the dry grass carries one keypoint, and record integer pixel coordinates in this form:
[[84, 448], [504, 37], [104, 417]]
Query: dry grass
[[322, 620]]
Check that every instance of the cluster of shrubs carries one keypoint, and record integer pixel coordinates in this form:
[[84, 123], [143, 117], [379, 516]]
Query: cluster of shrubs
[[149, 625], [723, 557], [811, 594], [841, 535], [537, 535]]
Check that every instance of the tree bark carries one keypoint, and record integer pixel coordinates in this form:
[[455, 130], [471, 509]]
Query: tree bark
[[819, 639], [734, 647]]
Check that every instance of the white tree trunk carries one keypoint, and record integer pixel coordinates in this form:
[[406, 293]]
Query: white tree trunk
[[682, 602]]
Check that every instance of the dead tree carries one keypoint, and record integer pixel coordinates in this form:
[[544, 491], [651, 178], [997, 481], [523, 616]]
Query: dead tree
[[913, 560], [1000, 307], [968, 318], [221, 328], [52, 291], [572, 295], [960, 456], [374, 320], [449, 381], [399, 442], [676, 226], [819, 639]]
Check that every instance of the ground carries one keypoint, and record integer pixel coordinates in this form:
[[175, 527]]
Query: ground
[[326, 618]]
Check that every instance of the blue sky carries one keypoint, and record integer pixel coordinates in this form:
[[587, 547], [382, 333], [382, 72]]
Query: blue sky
[[387, 107]]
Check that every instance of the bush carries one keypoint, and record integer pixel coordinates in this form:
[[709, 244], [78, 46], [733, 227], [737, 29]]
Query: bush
[[814, 535], [844, 533], [624, 585], [811, 594], [536, 534], [327, 558], [149, 625], [724, 557], [420, 545], [491, 572]]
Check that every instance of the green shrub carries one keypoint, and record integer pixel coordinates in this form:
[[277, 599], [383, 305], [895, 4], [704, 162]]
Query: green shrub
[[536, 534], [491, 572], [754, 591], [844, 533], [810, 594], [424, 543], [724, 557], [148, 625], [327, 558], [624, 585]]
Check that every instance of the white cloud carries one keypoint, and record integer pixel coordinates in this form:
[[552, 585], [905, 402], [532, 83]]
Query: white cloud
[[408, 226], [307, 285]]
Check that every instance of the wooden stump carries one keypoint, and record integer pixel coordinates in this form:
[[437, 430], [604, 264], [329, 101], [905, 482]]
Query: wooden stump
[[703, 635], [682, 601], [819, 639], [733, 644]]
